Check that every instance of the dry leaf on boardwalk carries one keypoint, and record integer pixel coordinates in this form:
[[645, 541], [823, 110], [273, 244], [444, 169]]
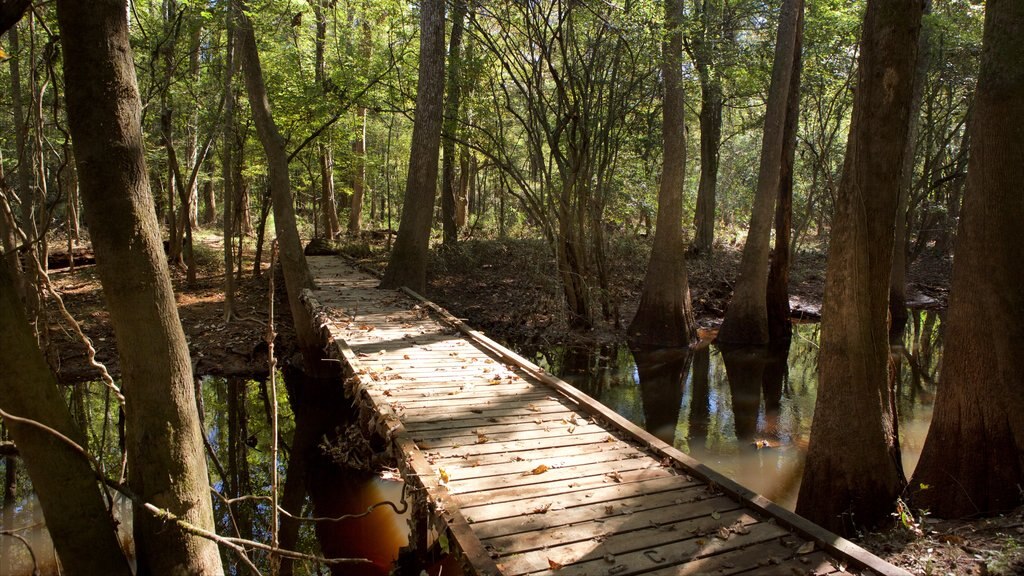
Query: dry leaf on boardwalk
[[538, 470]]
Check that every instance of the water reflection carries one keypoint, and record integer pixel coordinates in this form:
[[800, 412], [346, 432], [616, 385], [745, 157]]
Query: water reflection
[[747, 411], [236, 419], [661, 374]]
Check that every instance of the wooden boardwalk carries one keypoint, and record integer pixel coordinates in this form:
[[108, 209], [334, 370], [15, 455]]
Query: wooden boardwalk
[[520, 473]]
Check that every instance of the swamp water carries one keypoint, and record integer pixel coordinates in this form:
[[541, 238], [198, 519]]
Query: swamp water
[[746, 413]]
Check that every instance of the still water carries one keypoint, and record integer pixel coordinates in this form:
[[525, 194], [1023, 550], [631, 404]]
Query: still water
[[746, 412]]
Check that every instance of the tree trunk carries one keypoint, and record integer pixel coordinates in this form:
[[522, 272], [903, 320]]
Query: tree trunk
[[9, 241], [449, 195], [355, 215], [853, 472], [746, 320], [780, 329], [327, 204], [408, 263], [165, 451], [464, 187], [82, 529], [24, 178], [209, 198], [898, 275], [710, 142], [293, 261], [973, 457], [704, 54], [228, 142], [665, 315], [328, 207]]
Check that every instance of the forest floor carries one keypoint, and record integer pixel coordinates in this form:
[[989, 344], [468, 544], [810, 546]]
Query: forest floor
[[508, 289]]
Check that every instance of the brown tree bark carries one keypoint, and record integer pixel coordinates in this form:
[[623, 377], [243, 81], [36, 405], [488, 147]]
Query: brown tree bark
[[705, 53], [853, 472], [408, 263], [665, 314], [973, 457], [780, 329], [355, 215], [77, 519], [449, 190], [746, 319], [328, 206], [228, 140], [165, 451], [23, 177], [11, 11], [293, 261], [898, 275]]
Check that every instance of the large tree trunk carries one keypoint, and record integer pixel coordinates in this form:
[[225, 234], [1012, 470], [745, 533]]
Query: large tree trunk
[[167, 464], [853, 472], [973, 457], [76, 514], [449, 190], [780, 329], [293, 261], [408, 263], [746, 320], [665, 315]]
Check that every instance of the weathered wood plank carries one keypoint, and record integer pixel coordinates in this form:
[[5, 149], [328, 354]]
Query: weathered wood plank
[[630, 543], [570, 458], [681, 555], [482, 462], [605, 502], [695, 519], [568, 489]]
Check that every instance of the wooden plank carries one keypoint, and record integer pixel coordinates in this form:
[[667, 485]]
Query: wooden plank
[[612, 543], [494, 489], [540, 410], [492, 430], [770, 557], [518, 417], [452, 402], [483, 461], [603, 502], [509, 408], [523, 445], [695, 519], [562, 493], [683, 555], [524, 433], [465, 470], [415, 389]]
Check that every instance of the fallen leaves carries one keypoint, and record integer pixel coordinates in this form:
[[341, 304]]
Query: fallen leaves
[[554, 566], [538, 470]]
